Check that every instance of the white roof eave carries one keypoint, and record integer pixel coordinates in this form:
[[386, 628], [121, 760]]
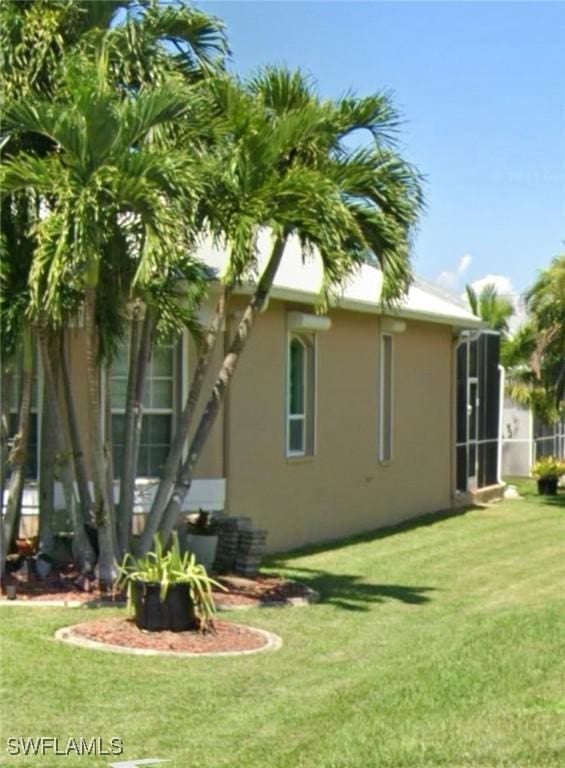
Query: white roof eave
[[281, 293], [299, 280]]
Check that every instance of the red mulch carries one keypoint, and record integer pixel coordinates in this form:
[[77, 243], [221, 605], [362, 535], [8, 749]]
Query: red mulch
[[224, 636], [63, 585], [261, 589]]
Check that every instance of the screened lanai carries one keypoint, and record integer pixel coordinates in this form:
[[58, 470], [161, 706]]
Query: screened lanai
[[478, 410]]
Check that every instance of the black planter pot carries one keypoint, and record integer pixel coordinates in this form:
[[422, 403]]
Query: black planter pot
[[176, 613], [547, 486]]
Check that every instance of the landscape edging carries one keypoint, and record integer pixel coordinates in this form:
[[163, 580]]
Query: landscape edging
[[65, 635]]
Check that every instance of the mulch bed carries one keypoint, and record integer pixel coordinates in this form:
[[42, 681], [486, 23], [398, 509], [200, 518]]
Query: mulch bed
[[221, 637], [63, 584], [243, 592], [258, 591]]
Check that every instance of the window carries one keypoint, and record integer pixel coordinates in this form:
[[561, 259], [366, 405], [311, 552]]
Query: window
[[158, 409], [300, 396], [385, 400]]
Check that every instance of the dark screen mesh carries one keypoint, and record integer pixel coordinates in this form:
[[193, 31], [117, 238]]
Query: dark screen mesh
[[462, 393], [492, 409], [491, 463], [478, 358], [462, 468]]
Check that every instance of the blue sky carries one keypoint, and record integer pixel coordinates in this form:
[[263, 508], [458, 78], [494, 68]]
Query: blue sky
[[482, 89]]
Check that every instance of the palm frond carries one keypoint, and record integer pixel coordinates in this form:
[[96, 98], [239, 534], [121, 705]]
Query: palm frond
[[45, 176]]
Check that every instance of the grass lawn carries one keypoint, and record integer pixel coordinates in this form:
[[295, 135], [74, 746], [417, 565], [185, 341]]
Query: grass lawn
[[438, 644]]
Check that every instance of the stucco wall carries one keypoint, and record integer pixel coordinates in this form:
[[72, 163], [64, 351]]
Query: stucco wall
[[211, 462], [342, 489]]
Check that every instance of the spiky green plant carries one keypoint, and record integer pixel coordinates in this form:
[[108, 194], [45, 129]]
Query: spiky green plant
[[169, 566], [548, 468]]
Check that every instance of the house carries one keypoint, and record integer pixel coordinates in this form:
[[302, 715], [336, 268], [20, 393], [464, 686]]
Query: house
[[334, 424]]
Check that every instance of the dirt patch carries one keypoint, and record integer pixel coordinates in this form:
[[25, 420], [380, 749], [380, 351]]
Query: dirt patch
[[63, 584], [262, 590], [122, 633], [68, 585]]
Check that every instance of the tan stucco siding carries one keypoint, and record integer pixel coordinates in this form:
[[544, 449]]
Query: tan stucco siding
[[342, 489], [211, 462]]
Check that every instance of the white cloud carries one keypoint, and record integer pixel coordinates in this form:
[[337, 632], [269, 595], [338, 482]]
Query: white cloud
[[464, 263], [502, 283], [449, 279], [504, 287]]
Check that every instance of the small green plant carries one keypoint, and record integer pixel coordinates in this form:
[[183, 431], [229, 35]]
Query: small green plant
[[548, 468], [166, 567]]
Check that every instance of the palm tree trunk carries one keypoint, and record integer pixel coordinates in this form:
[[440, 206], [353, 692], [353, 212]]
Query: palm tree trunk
[[47, 455], [126, 470], [103, 509], [18, 454], [139, 361], [4, 447], [47, 458], [184, 424], [82, 551], [79, 459], [4, 429], [186, 471], [108, 451]]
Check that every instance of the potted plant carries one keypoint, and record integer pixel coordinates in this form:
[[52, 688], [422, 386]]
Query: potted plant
[[548, 470], [168, 590], [202, 537]]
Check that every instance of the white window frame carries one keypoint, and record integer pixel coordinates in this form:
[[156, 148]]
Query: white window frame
[[383, 459], [172, 412], [308, 416]]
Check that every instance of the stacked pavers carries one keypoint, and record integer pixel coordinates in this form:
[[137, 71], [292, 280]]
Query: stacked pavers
[[250, 550], [228, 540], [240, 548]]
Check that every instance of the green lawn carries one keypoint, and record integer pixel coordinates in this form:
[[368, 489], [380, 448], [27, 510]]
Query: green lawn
[[438, 644]]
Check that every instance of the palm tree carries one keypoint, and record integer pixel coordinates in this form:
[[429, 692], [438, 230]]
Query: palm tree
[[169, 306], [536, 353], [286, 166], [106, 175], [17, 345], [494, 309], [19, 453], [151, 43], [147, 41]]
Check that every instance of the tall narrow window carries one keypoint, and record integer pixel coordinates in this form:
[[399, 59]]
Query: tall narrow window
[[385, 415], [158, 409], [300, 396]]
